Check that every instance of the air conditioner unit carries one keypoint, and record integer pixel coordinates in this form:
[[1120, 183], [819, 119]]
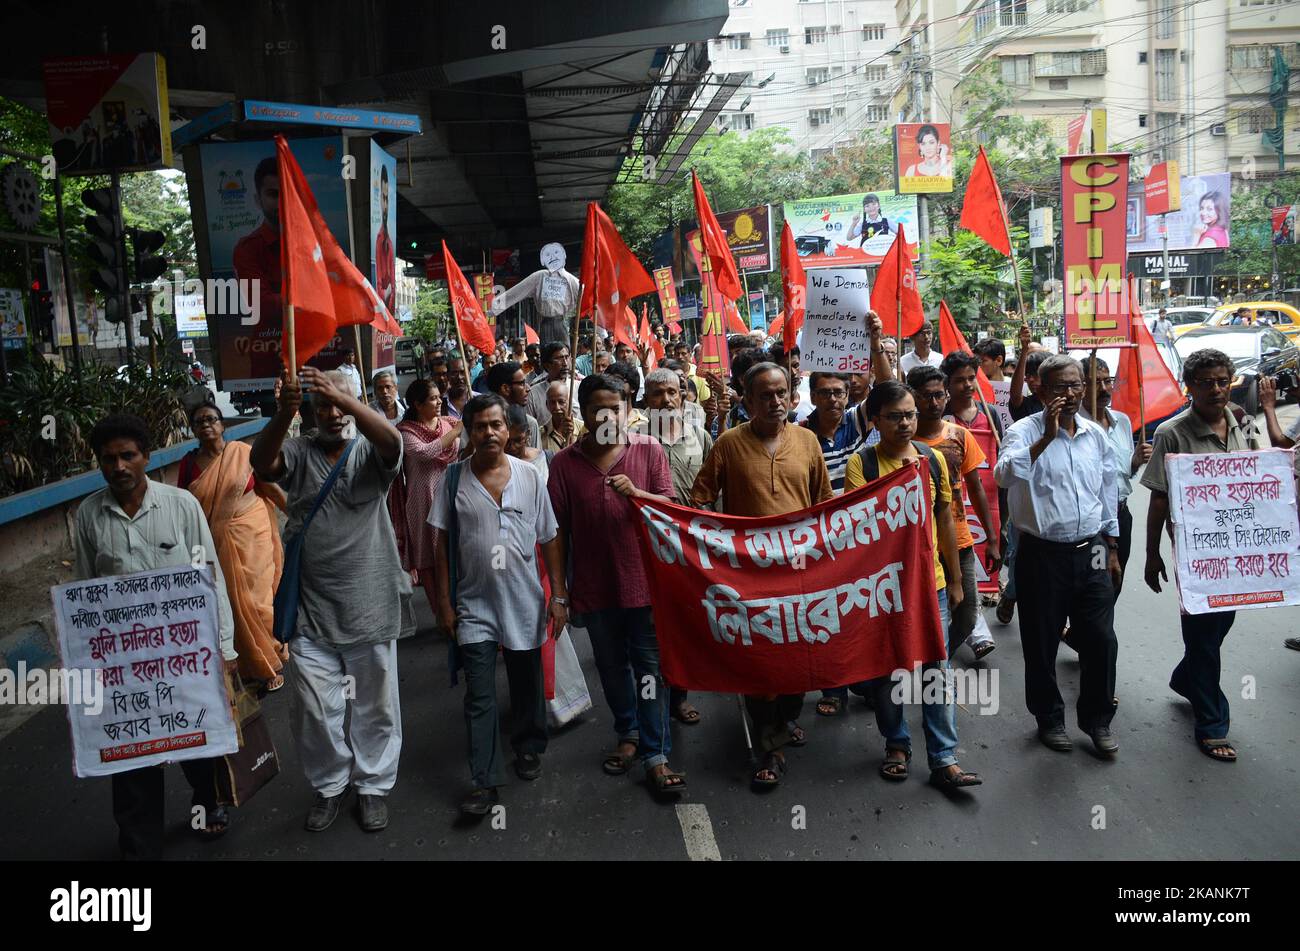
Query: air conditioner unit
[[877, 91], [1219, 128], [785, 49]]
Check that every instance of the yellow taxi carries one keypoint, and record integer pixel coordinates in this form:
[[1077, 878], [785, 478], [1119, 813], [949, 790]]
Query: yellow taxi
[[1280, 316]]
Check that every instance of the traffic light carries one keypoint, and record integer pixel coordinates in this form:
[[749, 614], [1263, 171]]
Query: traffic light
[[148, 265], [42, 307], [104, 244]]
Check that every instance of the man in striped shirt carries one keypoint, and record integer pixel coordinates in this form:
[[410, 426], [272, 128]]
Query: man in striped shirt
[[840, 431]]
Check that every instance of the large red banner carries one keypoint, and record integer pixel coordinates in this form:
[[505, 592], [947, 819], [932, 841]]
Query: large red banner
[[835, 594], [1094, 225], [988, 443]]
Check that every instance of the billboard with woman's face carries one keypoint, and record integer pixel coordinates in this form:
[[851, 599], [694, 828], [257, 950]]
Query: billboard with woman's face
[[1201, 224], [923, 158]]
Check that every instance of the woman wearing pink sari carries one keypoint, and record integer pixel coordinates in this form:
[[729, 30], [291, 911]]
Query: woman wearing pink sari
[[241, 513], [430, 443]]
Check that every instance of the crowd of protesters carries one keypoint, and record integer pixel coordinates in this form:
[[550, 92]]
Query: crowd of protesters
[[500, 485]]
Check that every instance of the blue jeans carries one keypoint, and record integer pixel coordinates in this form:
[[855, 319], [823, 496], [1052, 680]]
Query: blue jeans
[[1009, 559], [939, 720], [627, 652], [1197, 675]]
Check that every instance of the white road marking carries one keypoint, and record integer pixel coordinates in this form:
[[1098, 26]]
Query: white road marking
[[697, 830]]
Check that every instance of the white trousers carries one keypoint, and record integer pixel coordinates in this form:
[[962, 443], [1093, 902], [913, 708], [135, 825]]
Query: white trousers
[[324, 680]]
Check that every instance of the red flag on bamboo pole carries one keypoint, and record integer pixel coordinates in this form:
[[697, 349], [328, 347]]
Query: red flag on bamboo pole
[[715, 244], [895, 297], [1142, 375], [474, 328], [794, 286], [611, 274], [982, 210], [952, 339]]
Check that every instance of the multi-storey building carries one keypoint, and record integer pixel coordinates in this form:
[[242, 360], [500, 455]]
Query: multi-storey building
[[820, 68], [1179, 79]]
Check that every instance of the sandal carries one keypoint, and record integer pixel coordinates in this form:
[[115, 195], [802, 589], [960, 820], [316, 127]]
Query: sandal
[[797, 735], [830, 706], [895, 770], [1212, 748], [274, 684], [668, 782], [617, 764], [683, 715], [218, 823], [774, 766], [943, 780]]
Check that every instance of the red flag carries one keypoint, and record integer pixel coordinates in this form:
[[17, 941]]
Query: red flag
[[1142, 371], [674, 326], [794, 285], [982, 210], [952, 339], [715, 245], [774, 328], [611, 275], [896, 288], [735, 324], [474, 328], [306, 283], [647, 339], [530, 335]]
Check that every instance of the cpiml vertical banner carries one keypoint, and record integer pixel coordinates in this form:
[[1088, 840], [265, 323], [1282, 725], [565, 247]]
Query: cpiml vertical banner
[[1094, 203]]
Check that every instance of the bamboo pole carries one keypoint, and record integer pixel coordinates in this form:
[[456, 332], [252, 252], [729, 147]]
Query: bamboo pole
[[289, 343], [1092, 384], [361, 363]]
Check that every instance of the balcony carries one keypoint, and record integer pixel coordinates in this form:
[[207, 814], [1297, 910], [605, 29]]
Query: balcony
[[1256, 15]]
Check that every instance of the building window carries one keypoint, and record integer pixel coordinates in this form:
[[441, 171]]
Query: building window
[[817, 75], [872, 32], [875, 74], [1067, 6], [1255, 121], [1142, 121], [1015, 70], [1261, 57], [1165, 19], [1013, 12], [1058, 84], [839, 112], [738, 41], [835, 29], [737, 121], [1142, 57], [877, 113], [1081, 63], [1165, 60], [814, 34], [985, 17], [819, 117], [777, 38]]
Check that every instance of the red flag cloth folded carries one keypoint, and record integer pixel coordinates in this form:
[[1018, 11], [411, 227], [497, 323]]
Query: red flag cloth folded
[[647, 339], [306, 281], [530, 335], [951, 338], [611, 274], [733, 619], [794, 285], [715, 245], [774, 329], [474, 328], [674, 327], [735, 323], [982, 210], [1142, 371], [896, 289]]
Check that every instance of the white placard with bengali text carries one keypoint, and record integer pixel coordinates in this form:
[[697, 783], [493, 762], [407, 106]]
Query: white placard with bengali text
[[835, 336], [1236, 535], [151, 641]]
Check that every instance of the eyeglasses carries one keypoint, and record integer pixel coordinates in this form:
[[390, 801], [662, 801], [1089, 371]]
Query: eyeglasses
[[1061, 389], [204, 421], [832, 394], [897, 418], [1218, 383], [936, 397], [1105, 381]]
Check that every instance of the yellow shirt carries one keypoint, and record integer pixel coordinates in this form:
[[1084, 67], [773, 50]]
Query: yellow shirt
[[942, 492]]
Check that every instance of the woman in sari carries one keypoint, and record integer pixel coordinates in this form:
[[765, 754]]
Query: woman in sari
[[430, 443], [241, 513]]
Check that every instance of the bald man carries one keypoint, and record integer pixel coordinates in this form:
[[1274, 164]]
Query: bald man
[[559, 432]]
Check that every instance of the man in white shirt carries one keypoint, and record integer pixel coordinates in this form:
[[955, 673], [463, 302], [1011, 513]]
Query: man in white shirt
[[135, 524], [1163, 329], [349, 369], [1062, 481], [921, 354]]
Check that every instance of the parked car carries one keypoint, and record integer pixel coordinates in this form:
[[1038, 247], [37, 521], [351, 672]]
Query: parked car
[[1179, 316], [406, 354], [1274, 314], [1168, 353], [1256, 351]]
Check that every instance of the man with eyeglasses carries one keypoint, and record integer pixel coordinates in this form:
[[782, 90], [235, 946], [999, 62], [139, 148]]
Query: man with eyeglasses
[[1062, 484], [1210, 424]]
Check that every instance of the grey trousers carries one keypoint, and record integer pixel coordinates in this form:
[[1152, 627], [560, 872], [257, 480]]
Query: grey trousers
[[961, 629], [482, 724]]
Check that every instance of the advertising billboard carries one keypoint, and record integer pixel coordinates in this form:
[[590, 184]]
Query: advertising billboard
[[1201, 224], [849, 230], [383, 246], [923, 158]]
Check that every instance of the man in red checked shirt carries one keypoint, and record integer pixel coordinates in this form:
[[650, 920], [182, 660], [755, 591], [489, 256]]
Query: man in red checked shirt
[[257, 255]]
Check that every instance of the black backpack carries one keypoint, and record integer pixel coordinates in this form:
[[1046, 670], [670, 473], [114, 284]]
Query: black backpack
[[871, 464]]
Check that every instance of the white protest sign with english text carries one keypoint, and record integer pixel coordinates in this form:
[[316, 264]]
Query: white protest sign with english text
[[835, 334]]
